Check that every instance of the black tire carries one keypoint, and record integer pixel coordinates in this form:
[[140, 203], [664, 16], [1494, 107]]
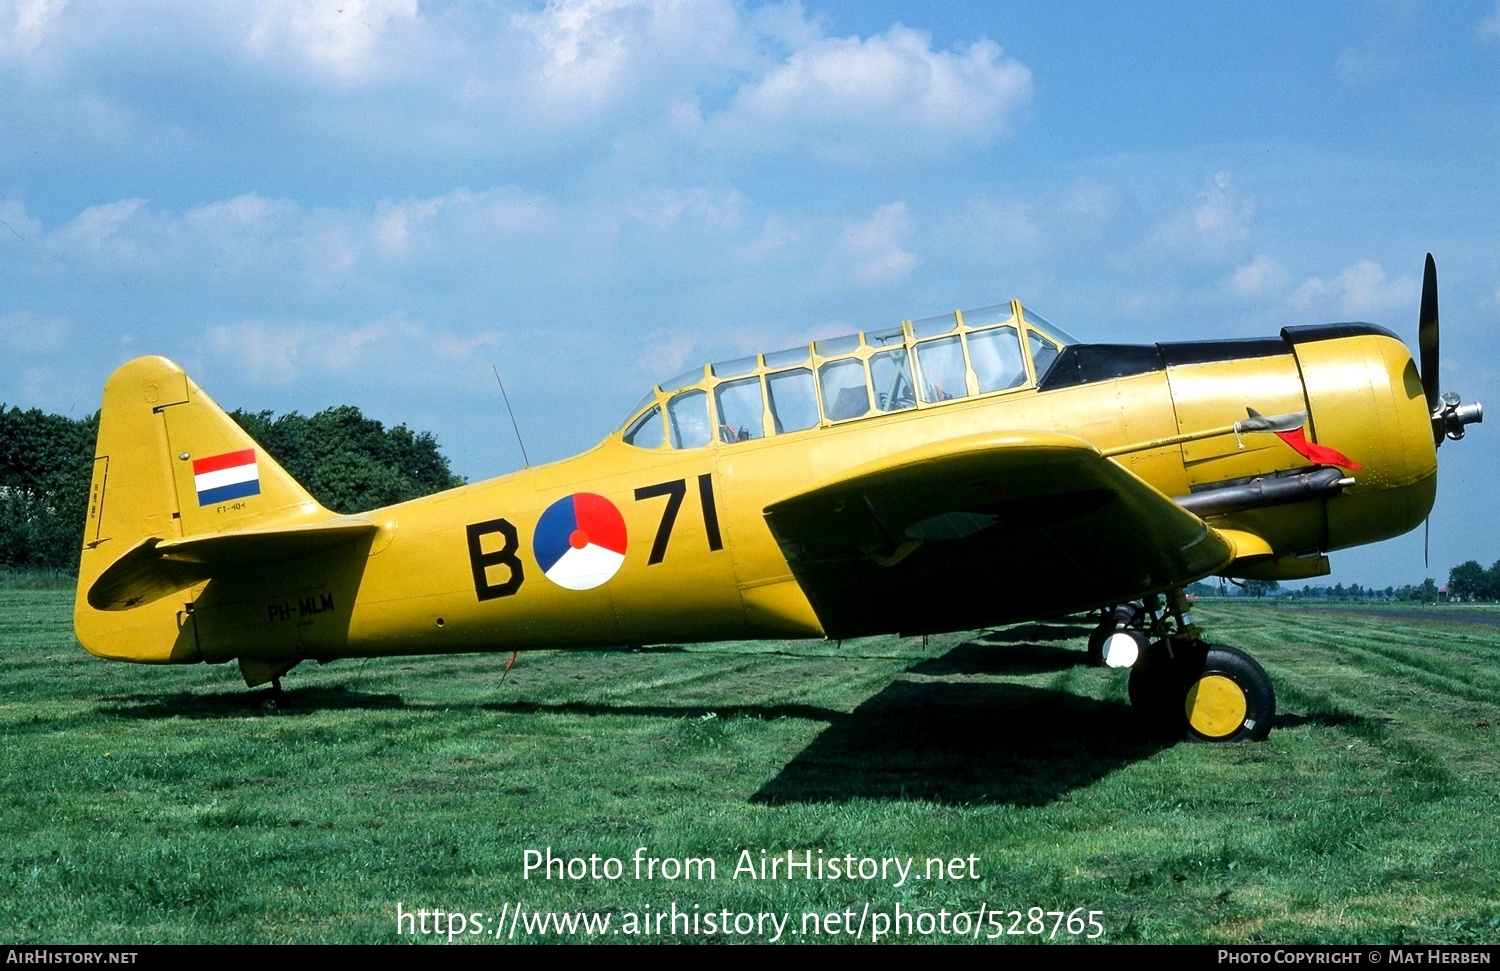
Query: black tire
[[1158, 686], [1096, 645], [1205, 693], [1228, 698]]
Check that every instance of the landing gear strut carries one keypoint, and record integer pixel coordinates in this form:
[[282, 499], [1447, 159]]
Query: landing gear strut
[[1190, 688]]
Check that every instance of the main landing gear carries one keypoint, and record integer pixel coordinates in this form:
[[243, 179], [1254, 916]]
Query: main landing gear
[[1178, 682]]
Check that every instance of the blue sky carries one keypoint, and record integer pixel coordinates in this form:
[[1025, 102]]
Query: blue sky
[[373, 201]]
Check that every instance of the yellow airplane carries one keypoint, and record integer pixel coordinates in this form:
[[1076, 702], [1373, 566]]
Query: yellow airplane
[[966, 470]]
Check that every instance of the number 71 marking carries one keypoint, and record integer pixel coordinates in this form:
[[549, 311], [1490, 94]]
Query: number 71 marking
[[674, 491]]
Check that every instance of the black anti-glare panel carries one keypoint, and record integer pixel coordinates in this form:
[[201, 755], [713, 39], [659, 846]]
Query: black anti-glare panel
[[1307, 333], [1209, 352], [1087, 363]]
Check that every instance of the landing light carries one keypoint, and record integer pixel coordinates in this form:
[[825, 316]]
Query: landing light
[[1121, 649]]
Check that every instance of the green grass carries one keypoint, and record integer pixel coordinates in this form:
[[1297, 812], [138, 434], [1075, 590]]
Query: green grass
[[161, 804]]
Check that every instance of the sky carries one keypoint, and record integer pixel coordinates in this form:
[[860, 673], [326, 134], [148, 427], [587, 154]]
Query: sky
[[379, 202]]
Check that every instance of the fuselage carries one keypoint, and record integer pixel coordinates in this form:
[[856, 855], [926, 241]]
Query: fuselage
[[659, 533], [468, 570]]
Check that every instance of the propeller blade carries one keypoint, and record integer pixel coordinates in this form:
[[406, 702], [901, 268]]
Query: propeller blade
[[1427, 340]]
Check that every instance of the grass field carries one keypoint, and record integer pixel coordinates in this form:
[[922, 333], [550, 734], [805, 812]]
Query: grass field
[[146, 804]]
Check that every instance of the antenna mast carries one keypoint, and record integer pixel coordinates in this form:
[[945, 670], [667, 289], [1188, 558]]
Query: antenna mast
[[512, 414]]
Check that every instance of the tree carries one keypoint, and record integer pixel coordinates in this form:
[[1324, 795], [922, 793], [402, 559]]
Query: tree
[[46, 462], [1261, 588], [1491, 588], [1467, 581], [348, 462]]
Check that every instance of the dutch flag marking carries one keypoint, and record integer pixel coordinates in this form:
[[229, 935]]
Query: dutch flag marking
[[233, 475]]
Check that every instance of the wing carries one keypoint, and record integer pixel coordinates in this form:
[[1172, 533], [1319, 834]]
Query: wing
[[986, 529]]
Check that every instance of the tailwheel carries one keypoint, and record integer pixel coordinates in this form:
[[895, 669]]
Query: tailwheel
[[275, 699], [1229, 698]]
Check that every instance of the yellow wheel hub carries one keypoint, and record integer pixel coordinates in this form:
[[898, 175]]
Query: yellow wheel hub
[[1216, 706]]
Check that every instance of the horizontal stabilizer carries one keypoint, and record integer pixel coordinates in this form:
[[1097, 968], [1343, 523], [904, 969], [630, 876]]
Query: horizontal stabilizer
[[154, 567]]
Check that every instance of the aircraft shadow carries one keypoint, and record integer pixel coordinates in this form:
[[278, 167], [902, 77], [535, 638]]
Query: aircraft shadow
[[235, 704], [1001, 658], [595, 709], [964, 743], [1031, 633]]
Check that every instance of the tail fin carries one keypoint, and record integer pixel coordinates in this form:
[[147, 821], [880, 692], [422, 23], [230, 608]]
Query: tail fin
[[172, 475]]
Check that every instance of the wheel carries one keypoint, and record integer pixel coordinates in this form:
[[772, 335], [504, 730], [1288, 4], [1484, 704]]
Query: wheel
[[1096, 644], [1229, 698], [1158, 686], [1205, 692]]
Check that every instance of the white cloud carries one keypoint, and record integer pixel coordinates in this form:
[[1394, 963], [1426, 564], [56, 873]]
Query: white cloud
[[854, 99], [1260, 276], [586, 55], [871, 250], [395, 222], [662, 208], [1214, 224], [392, 352], [1385, 50], [112, 232], [1488, 29], [338, 39], [378, 84], [1360, 291], [25, 25]]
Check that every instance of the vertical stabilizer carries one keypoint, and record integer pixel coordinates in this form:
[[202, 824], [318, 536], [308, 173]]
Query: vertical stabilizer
[[169, 465]]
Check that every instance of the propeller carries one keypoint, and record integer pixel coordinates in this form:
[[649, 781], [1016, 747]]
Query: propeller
[[1427, 342], [1448, 416]]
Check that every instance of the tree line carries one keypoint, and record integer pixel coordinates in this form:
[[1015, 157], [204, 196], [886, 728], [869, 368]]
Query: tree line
[[1425, 592], [348, 462], [1470, 581]]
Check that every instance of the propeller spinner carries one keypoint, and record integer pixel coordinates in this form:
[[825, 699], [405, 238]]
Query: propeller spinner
[[1449, 416]]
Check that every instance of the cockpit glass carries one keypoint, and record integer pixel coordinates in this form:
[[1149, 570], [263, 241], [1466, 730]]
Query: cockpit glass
[[1062, 337], [787, 358], [683, 380], [650, 396], [836, 346], [890, 371], [794, 400], [927, 361], [932, 326], [1043, 353], [844, 392], [741, 416], [646, 431], [689, 419], [735, 368], [996, 357], [985, 316], [942, 366]]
